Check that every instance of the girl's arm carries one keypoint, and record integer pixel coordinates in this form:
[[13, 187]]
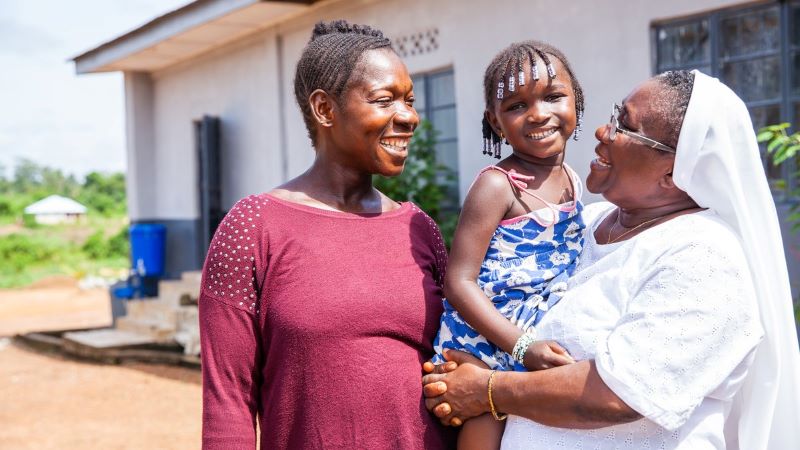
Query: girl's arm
[[487, 203]]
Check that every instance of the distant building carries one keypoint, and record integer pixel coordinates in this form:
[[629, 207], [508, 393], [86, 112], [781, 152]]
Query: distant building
[[211, 115], [56, 209]]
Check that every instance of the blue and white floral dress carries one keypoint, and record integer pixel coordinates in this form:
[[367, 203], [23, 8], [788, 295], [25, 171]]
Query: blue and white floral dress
[[524, 273]]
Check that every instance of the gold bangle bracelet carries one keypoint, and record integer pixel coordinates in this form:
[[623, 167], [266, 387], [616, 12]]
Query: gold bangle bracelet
[[496, 416]]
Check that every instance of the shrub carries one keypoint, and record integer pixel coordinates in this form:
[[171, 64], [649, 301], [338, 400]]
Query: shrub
[[98, 247], [19, 251], [423, 181]]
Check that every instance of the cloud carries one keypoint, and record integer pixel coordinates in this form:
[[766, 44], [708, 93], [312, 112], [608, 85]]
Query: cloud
[[49, 114], [22, 40]]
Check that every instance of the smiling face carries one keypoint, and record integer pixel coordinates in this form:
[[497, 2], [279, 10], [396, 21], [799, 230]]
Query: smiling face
[[538, 117], [374, 119], [627, 172]]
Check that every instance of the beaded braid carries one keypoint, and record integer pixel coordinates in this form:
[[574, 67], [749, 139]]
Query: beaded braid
[[328, 62], [501, 71]]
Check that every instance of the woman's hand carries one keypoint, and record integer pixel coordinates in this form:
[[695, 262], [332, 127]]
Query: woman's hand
[[455, 394], [546, 355]]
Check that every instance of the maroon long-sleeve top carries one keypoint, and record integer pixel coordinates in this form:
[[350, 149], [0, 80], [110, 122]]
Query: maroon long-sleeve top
[[317, 322]]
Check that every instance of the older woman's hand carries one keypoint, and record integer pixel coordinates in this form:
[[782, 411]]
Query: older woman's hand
[[455, 393]]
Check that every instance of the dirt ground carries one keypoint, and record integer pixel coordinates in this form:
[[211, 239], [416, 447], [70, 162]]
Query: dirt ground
[[55, 303], [49, 401]]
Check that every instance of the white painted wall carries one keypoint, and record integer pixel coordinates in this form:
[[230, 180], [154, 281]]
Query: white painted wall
[[238, 84], [607, 42]]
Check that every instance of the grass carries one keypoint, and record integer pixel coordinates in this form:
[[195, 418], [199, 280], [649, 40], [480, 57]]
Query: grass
[[29, 254]]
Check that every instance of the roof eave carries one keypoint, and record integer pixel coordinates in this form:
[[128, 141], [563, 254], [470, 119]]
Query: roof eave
[[177, 35]]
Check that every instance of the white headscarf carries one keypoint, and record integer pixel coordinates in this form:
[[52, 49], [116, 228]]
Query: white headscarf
[[719, 166]]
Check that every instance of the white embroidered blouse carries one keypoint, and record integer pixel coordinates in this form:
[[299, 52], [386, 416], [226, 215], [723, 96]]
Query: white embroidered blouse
[[670, 318]]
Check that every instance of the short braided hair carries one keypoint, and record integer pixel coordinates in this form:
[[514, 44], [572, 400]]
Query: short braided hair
[[328, 61], [506, 69], [668, 107]]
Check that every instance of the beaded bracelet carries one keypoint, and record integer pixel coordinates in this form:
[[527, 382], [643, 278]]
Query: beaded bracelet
[[496, 416], [524, 341]]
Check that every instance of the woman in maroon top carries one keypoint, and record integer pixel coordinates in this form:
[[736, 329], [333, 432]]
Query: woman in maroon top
[[321, 298]]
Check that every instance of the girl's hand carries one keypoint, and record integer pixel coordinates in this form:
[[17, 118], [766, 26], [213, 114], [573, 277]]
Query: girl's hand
[[457, 395], [546, 355]]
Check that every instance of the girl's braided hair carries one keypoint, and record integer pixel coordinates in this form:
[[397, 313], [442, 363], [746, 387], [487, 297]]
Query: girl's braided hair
[[507, 70], [328, 61]]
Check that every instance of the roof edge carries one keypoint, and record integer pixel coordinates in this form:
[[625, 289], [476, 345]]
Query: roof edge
[[161, 28]]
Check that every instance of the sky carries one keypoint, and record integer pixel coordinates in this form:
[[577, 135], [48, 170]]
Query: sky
[[49, 114]]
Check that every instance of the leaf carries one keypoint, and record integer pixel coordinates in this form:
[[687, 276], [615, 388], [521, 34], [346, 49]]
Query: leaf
[[778, 141], [778, 127], [785, 153], [764, 136]]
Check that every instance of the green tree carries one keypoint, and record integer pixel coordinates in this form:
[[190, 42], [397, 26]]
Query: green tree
[[104, 193], [423, 181], [784, 147]]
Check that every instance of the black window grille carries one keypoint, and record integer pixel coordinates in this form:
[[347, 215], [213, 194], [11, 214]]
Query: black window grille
[[754, 49], [435, 100]]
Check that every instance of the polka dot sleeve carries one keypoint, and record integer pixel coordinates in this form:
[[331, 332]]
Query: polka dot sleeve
[[233, 270], [230, 339]]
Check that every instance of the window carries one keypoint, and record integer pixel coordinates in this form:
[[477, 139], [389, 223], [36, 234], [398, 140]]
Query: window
[[436, 102], [755, 50]]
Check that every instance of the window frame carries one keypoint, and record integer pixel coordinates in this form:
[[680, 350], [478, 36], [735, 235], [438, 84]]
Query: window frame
[[427, 111], [785, 51]]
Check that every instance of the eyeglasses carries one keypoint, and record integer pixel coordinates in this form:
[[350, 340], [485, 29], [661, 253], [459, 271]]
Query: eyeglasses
[[614, 128]]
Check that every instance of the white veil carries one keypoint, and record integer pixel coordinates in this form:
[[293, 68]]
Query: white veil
[[718, 165]]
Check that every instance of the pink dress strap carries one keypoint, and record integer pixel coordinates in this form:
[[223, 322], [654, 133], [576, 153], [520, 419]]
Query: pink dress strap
[[519, 181]]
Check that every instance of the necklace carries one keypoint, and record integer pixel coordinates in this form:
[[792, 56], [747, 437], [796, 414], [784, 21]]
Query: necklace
[[614, 226]]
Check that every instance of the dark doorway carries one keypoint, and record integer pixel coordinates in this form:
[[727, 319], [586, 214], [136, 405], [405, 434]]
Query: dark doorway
[[207, 140]]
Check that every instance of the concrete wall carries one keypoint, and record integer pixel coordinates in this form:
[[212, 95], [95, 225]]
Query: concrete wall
[[610, 53], [240, 84], [249, 85]]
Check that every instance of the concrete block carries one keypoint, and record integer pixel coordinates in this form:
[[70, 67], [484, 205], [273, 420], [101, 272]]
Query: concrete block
[[178, 292], [188, 334], [160, 331]]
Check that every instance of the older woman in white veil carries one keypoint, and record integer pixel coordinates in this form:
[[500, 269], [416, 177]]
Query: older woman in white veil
[[680, 314]]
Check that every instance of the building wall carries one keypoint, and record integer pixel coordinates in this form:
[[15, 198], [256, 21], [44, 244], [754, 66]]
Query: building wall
[[237, 84], [608, 44], [249, 85]]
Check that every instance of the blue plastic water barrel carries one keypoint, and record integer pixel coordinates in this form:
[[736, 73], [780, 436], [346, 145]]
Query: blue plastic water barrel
[[147, 248]]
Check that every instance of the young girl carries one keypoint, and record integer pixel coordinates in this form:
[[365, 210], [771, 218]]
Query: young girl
[[520, 231]]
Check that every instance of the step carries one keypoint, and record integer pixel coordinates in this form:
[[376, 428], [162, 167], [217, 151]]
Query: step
[[194, 277], [188, 334], [107, 338], [157, 330], [178, 292], [152, 310]]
